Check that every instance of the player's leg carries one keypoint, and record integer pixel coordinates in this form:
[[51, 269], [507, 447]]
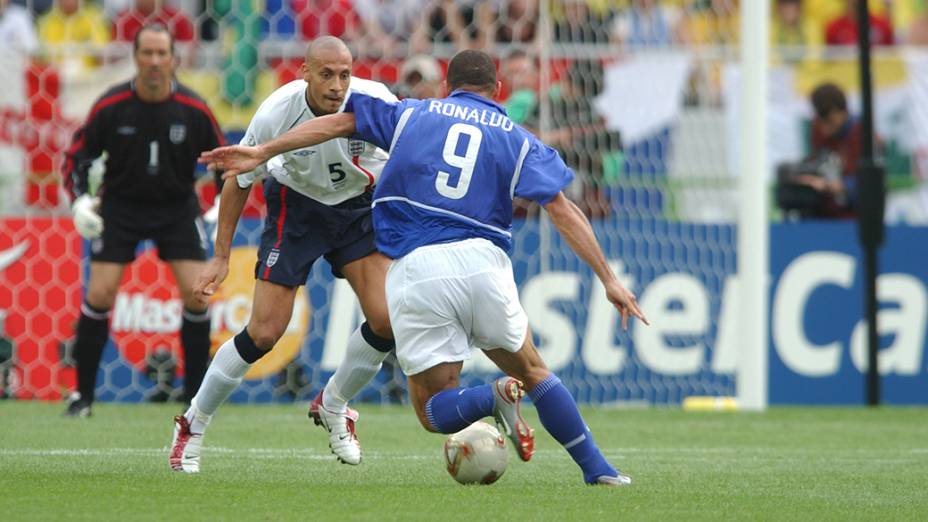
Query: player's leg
[[182, 242], [431, 309], [194, 327], [356, 259], [442, 406], [284, 260], [558, 412], [271, 310], [371, 342], [109, 255], [93, 332]]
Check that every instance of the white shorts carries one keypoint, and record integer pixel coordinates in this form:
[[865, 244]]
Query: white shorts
[[446, 299]]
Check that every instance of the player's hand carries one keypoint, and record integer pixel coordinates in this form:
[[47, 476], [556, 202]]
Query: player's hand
[[233, 159], [210, 278], [87, 221], [625, 302]]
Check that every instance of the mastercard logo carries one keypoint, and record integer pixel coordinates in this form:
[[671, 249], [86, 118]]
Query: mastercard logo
[[231, 309]]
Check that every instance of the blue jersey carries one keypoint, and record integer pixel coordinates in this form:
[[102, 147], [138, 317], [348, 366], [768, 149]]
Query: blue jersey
[[455, 165]]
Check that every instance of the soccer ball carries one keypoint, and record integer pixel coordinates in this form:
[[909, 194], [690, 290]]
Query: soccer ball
[[476, 455]]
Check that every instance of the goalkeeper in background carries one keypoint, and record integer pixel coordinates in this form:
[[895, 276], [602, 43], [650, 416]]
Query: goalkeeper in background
[[152, 130]]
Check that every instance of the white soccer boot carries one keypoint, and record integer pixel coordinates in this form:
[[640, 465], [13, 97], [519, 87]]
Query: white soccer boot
[[507, 393], [185, 447], [342, 438], [618, 481]]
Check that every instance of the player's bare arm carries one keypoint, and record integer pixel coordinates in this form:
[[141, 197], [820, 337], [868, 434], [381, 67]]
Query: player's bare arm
[[237, 159], [231, 204], [576, 230]]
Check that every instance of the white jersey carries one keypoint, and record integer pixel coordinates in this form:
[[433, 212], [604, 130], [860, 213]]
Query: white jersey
[[331, 172]]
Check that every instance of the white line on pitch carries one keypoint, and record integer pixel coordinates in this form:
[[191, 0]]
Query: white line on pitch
[[264, 453]]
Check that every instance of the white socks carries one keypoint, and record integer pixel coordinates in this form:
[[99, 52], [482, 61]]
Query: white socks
[[225, 373], [361, 363]]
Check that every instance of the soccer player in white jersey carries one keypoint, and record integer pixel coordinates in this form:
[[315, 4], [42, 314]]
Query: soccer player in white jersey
[[319, 204], [443, 213]]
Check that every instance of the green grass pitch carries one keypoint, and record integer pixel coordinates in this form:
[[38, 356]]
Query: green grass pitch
[[271, 463]]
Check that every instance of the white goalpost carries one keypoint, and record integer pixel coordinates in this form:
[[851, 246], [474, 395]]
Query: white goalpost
[[753, 216]]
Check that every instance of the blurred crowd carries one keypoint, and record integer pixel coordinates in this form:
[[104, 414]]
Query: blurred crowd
[[412, 38], [404, 27]]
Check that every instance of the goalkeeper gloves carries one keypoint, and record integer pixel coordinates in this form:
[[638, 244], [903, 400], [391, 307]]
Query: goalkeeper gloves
[[87, 221], [212, 214], [212, 217]]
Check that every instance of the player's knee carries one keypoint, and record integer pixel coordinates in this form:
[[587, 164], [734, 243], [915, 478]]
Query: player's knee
[[534, 375], [101, 298], [265, 335], [380, 325], [531, 372], [195, 306]]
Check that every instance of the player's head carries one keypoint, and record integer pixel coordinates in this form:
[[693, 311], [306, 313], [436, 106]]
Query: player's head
[[153, 49], [830, 106], [327, 71], [475, 71]]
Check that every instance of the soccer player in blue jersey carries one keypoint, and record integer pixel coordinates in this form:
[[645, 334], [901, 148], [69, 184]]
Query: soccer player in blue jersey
[[443, 214]]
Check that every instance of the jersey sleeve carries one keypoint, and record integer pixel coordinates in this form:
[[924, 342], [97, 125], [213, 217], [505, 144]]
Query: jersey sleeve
[[257, 132], [86, 146], [212, 138], [543, 174], [375, 118]]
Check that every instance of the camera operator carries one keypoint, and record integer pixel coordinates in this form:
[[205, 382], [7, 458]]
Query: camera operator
[[835, 150]]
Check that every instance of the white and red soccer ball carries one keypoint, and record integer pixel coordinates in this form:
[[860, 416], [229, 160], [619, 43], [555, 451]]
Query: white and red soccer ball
[[476, 455]]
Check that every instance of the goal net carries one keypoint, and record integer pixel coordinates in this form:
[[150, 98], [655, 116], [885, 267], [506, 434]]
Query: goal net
[[644, 118]]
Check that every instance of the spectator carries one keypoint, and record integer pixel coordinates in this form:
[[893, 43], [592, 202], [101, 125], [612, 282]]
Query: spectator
[[716, 23], [580, 135], [520, 79], [152, 11], [73, 22], [843, 30], [918, 29], [579, 24], [835, 140], [450, 22], [16, 30], [518, 21], [317, 18], [421, 78], [790, 28], [647, 24], [387, 23]]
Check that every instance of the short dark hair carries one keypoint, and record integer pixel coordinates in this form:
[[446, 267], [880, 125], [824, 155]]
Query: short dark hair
[[153, 27], [473, 69], [826, 98]]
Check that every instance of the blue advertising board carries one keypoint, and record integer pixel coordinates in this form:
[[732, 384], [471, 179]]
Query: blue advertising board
[[684, 276]]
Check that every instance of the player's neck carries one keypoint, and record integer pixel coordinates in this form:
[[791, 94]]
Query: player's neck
[[150, 94], [312, 107]]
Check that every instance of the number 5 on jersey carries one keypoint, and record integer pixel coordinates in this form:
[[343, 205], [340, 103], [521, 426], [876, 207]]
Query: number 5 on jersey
[[466, 163]]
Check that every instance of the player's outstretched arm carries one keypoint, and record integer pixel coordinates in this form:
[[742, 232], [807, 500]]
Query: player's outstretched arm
[[237, 159], [576, 230], [231, 204]]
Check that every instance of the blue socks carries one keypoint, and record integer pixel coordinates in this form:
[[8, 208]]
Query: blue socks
[[559, 414], [450, 411]]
